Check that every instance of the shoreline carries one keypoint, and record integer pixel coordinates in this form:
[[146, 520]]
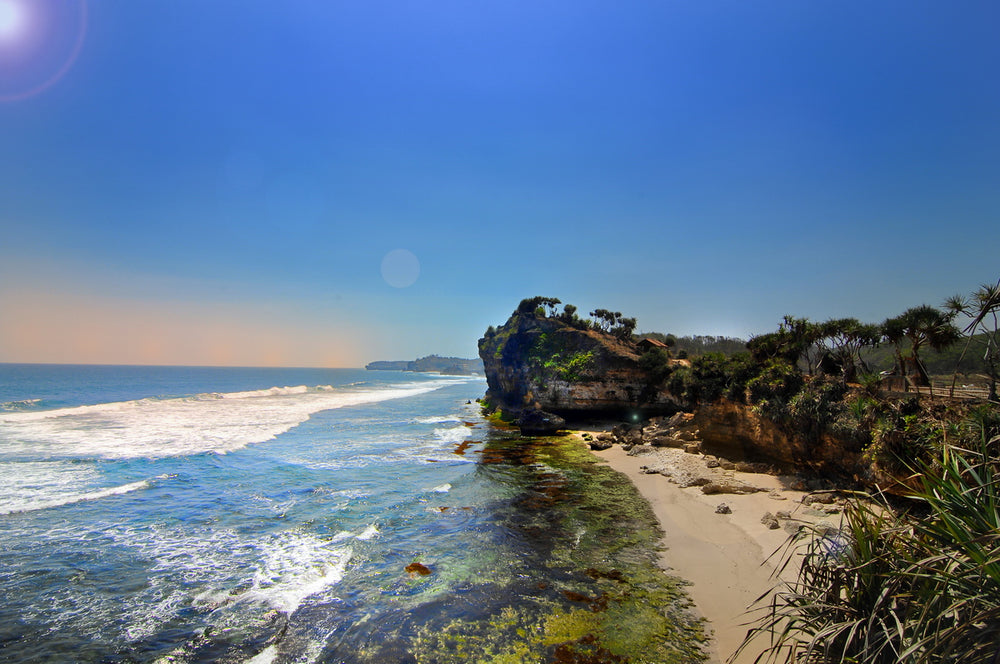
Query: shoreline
[[725, 559]]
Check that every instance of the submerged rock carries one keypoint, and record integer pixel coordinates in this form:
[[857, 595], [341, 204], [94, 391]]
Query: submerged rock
[[418, 569]]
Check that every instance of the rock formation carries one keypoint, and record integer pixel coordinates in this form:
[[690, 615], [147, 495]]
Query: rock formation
[[535, 361], [564, 367]]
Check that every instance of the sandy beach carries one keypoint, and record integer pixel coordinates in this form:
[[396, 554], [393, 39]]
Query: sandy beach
[[724, 557]]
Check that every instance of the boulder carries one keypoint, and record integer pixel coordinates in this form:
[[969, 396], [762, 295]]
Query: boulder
[[823, 498], [666, 440], [723, 509], [540, 423], [600, 444], [727, 486]]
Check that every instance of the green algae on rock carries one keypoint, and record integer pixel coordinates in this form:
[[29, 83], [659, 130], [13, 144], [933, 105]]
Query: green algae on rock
[[590, 589]]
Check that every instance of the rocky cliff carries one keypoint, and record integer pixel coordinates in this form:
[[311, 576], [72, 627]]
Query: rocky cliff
[[552, 363], [734, 430], [561, 365]]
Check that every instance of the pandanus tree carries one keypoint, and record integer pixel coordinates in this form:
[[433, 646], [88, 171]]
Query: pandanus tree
[[606, 319], [532, 305], [923, 326], [792, 341], [983, 310], [846, 338]]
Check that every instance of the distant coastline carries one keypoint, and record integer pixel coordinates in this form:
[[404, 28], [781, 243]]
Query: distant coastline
[[449, 366]]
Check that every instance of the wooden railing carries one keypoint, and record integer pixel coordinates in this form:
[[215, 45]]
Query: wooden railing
[[945, 390]]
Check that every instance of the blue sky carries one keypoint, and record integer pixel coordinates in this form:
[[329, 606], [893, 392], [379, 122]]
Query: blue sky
[[219, 182]]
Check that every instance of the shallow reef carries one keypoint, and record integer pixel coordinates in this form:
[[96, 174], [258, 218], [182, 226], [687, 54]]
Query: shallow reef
[[585, 586]]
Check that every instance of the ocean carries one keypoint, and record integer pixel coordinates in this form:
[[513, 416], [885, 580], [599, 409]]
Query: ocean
[[257, 516]]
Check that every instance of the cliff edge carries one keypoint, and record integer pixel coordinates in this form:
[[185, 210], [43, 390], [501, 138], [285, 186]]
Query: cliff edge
[[558, 364], [580, 370]]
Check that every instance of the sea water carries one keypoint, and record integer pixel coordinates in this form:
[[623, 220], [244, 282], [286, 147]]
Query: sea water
[[166, 514]]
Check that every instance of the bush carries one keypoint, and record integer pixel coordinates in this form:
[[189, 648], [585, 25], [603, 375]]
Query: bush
[[655, 363], [817, 406], [772, 389], [899, 440], [712, 376], [893, 587]]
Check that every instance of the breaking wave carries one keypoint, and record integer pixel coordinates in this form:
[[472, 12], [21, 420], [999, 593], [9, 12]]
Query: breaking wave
[[155, 428]]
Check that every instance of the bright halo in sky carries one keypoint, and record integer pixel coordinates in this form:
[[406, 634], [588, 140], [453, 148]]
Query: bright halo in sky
[[39, 42], [12, 19], [400, 268]]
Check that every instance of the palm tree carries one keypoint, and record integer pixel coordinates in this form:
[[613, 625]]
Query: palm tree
[[892, 331], [848, 336], [983, 308], [922, 326]]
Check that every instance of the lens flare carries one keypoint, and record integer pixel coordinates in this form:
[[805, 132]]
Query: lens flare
[[400, 268], [39, 43], [12, 20]]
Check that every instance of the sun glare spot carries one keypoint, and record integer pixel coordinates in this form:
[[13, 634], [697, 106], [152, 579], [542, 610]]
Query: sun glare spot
[[39, 41], [11, 19], [400, 268]]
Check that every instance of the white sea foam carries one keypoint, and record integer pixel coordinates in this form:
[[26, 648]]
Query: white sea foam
[[445, 419], [296, 566], [265, 656], [452, 435], [369, 533], [30, 486], [156, 428], [444, 488], [228, 573], [19, 405], [270, 392]]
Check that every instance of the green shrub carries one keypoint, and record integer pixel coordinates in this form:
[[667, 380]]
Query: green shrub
[[817, 406], [772, 389], [656, 364], [899, 440], [892, 587]]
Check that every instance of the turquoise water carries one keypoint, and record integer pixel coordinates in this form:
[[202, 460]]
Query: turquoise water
[[270, 515]]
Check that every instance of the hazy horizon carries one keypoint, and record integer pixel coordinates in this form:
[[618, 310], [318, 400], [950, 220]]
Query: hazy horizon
[[310, 184]]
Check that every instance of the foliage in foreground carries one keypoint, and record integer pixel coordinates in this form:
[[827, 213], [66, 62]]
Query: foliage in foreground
[[889, 587]]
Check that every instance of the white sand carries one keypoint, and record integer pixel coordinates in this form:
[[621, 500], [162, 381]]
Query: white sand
[[721, 555]]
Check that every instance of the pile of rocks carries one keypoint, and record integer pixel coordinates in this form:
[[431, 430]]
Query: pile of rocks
[[676, 431]]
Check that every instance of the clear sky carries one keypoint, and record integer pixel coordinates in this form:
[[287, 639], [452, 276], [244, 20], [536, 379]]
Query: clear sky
[[333, 182]]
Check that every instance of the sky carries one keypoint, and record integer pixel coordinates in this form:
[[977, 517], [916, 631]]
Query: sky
[[328, 183]]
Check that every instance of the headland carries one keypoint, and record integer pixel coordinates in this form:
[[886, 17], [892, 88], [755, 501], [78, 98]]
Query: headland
[[798, 444]]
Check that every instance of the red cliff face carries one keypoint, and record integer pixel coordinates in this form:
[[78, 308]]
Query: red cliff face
[[535, 361]]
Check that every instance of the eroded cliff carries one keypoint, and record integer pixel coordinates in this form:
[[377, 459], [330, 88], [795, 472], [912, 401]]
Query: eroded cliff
[[547, 362], [562, 365]]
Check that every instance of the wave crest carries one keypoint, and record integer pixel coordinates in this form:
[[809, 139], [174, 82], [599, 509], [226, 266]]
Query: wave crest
[[155, 428], [32, 504]]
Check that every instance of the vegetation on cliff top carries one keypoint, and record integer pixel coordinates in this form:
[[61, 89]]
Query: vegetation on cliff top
[[811, 379]]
